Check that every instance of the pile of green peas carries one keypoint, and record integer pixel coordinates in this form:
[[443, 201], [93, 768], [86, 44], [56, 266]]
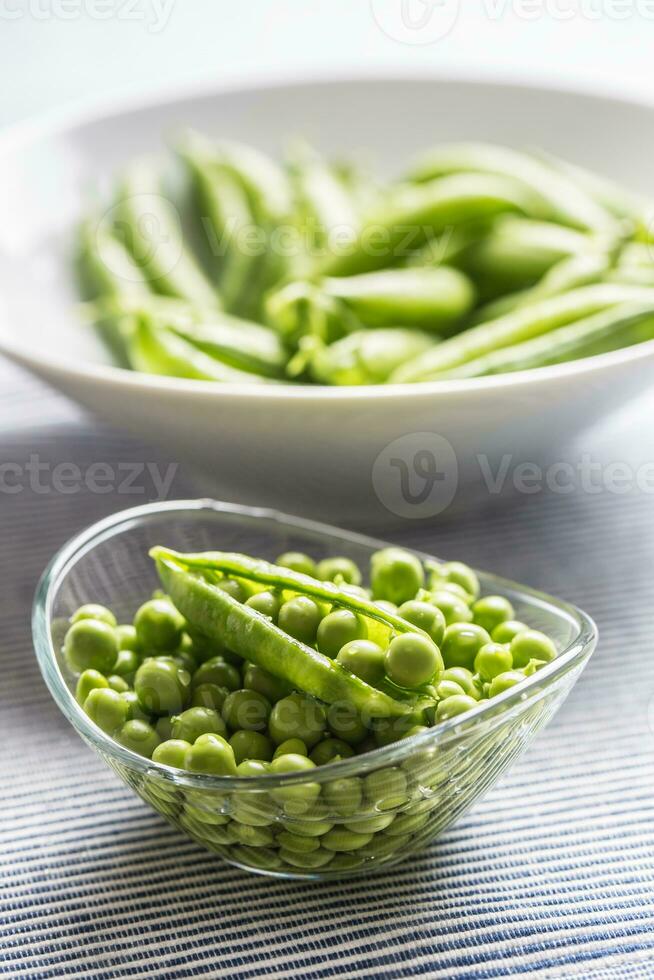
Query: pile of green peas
[[165, 691]]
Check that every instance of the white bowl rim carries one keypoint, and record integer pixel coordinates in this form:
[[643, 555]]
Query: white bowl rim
[[87, 112]]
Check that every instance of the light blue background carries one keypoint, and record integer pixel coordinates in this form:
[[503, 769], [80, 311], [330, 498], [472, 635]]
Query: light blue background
[[54, 52]]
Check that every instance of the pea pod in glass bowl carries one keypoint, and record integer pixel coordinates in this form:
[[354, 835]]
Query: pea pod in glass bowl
[[321, 804]]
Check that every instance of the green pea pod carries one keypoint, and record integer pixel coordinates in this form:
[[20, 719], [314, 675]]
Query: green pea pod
[[367, 356], [106, 270], [570, 273], [240, 343], [557, 196], [301, 309], [518, 251], [227, 222], [325, 204], [621, 326], [154, 349], [253, 636], [148, 223], [451, 246], [408, 215], [268, 191], [517, 326], [433, 299]]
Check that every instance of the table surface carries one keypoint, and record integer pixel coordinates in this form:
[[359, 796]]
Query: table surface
[[553, 873]]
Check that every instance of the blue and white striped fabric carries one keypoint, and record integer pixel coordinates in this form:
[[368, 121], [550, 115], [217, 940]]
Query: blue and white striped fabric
[[552, 875]]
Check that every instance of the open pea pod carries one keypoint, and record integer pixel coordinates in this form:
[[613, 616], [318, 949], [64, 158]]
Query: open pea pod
[[252, 635]]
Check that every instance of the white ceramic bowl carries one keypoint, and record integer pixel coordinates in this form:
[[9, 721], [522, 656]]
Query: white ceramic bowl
[[312, 449]]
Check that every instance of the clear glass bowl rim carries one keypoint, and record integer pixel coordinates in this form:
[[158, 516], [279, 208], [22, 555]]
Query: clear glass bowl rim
[[502, 707]]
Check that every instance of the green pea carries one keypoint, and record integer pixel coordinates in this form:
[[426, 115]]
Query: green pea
[[162, 686], [406, 823], [388, 730], [94, 611], [217, 671], [89, 680], [338, 569], [300, 618], [297, 716], [330, 749], [395, 575], [251, 745], [504, 632], [385, 789], [252, 767], [493, 659], [209, 696], [196, 721], [186, 661], [412, 659], [292, 746], [127, 663], [426, 617], [211, 754], [294, 842], [252, 836], [234, 588], [338, 628], [306, 828], [255, 678], [158, 625], [308, 862], [462, 575], [341, 839], [345, 722], [138, 736], [448, 689], [246, 709], [531, 645], [135, 711], [171, 753], [297, 562], [465, 679], [106, 708], [298, 797], [363, 658], [343, 795], [371, 825], [347, 861], [117, 683], [91, 644], [453, 608], [257, 857], [455, 705], [162, 726], [267, 603], [126, 638], [461, 644], [502, 682], [491, 610]]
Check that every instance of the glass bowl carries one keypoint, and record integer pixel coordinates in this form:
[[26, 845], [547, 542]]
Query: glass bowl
[[373, 809]]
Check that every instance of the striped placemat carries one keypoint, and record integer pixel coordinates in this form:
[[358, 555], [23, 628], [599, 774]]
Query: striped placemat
[[552, 874]]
